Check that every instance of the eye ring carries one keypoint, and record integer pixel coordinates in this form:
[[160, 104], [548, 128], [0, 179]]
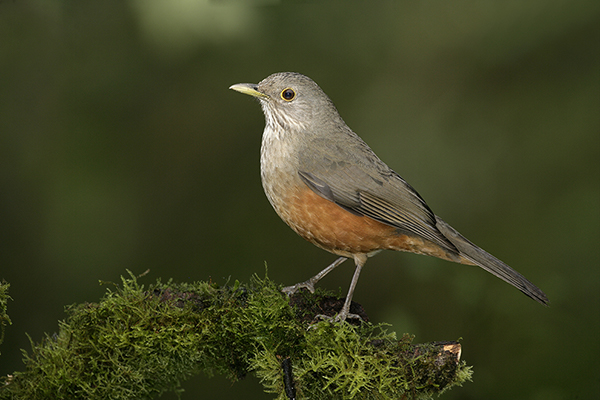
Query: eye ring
[[288, 94]]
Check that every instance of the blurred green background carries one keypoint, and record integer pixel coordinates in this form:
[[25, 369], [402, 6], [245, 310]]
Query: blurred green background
[[121, 148]]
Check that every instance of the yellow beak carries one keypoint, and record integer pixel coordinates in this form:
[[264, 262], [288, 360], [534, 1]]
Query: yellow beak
[[249, 89]]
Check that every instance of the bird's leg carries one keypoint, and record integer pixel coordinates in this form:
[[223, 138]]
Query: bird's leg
[[310, 284], [360, 260]]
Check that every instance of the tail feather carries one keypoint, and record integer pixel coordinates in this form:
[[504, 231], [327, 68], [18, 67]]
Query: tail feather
[[490, 263]]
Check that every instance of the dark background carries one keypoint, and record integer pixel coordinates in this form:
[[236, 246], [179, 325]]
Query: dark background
[[121, 148]]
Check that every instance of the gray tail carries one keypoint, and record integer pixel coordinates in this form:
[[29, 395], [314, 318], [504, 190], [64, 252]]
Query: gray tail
[[490, 263]]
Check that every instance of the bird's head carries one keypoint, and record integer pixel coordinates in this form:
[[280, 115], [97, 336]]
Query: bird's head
[[292, 101]]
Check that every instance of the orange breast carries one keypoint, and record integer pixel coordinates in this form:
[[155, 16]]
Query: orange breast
[[329, 226], [334, 229]]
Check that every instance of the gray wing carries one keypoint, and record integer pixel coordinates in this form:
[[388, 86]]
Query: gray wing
[[357, 180], [365, 185]]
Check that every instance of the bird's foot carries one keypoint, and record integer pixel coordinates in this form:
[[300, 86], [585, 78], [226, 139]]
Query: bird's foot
[[340, 317], [309, 284]]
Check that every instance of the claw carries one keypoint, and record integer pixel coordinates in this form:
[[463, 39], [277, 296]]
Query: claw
[[290, 290]]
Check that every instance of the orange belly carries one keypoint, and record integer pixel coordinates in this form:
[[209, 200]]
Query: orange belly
[[329, 226]]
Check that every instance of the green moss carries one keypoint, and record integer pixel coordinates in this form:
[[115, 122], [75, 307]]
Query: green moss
[[140, 342], [4, 319]]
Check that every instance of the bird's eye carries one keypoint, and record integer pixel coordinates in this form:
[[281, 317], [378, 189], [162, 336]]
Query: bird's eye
[[288, 94]]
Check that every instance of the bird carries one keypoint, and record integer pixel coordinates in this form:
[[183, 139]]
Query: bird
[[327, 184]]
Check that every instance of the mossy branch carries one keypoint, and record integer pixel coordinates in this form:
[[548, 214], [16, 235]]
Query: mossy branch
[[140, 342], [4, 298]]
